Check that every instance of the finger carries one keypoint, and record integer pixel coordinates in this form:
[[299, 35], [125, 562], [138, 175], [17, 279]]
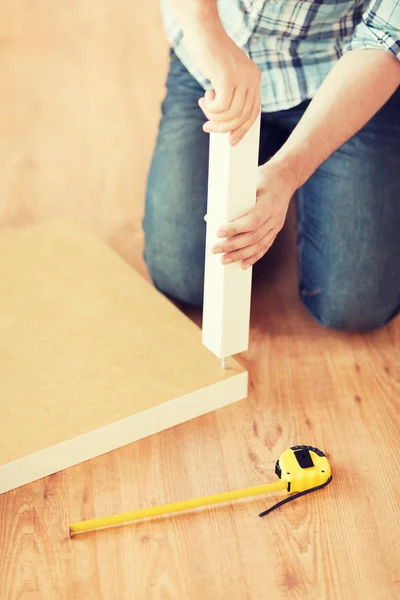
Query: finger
[[253, 220], [248, 262], [248, 108], [223, 97], [240, 132], [232, 119], [227, 122], [242, 239], [245, 253], [205, 100], [209, 96], [238, 111]]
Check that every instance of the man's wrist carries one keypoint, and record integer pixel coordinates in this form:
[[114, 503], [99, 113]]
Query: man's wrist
[[292, 164]]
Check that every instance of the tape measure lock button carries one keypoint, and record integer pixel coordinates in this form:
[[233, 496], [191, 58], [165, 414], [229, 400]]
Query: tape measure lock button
[[304, 458]]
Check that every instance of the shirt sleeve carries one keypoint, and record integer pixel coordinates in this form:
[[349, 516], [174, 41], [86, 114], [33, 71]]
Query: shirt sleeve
[[379, 28]]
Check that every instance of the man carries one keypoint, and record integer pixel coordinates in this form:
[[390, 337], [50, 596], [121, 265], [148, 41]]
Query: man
[[326, 78]]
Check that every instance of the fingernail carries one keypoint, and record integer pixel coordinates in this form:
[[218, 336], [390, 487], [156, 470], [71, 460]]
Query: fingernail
[[234, 141], [245, 266], [226, 260], [216, 249], [222, 232]]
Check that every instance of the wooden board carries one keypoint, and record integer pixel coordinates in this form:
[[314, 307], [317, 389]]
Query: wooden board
[[227, 288], [91, 356]]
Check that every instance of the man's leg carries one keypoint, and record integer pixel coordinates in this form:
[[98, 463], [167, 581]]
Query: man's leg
[[176, 198], [349, 229], [176, 194]]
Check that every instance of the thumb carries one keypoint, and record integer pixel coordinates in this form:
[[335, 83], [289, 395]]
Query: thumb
[[209, 96], [249, 222]]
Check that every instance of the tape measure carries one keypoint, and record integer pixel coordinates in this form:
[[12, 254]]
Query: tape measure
[[300, 469], [304, 469]]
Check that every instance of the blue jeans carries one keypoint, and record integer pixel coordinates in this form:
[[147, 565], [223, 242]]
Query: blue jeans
[[348, 212]]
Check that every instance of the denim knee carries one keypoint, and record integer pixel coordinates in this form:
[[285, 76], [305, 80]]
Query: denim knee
[[176, 279], [351, 314], [176, 194]]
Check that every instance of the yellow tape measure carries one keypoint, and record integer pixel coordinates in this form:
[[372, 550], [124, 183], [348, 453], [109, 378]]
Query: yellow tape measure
[[301, 469]]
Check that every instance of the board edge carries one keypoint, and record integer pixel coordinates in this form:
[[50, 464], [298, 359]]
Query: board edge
[[105, 439]]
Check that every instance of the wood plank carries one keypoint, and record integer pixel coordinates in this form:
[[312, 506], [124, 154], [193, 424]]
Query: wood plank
[[92, 356], [227, 288]]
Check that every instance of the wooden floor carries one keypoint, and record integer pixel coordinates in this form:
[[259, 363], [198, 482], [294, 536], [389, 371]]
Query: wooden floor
[[80, 89]]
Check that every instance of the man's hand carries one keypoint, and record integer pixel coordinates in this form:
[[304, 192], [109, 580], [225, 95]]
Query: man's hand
[[234, 104], [247, 239]]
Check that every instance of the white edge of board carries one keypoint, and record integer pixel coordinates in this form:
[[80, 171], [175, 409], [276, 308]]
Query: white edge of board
[[125, 431], [232, 186]]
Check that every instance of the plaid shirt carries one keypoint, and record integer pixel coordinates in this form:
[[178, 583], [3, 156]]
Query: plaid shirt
[[295, 43]]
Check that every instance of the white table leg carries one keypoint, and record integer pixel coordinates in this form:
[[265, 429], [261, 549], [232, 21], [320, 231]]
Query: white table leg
[[227, 288]]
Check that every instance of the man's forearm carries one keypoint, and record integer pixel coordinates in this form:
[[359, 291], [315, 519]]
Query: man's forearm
[[196, 14], [357, 87]]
